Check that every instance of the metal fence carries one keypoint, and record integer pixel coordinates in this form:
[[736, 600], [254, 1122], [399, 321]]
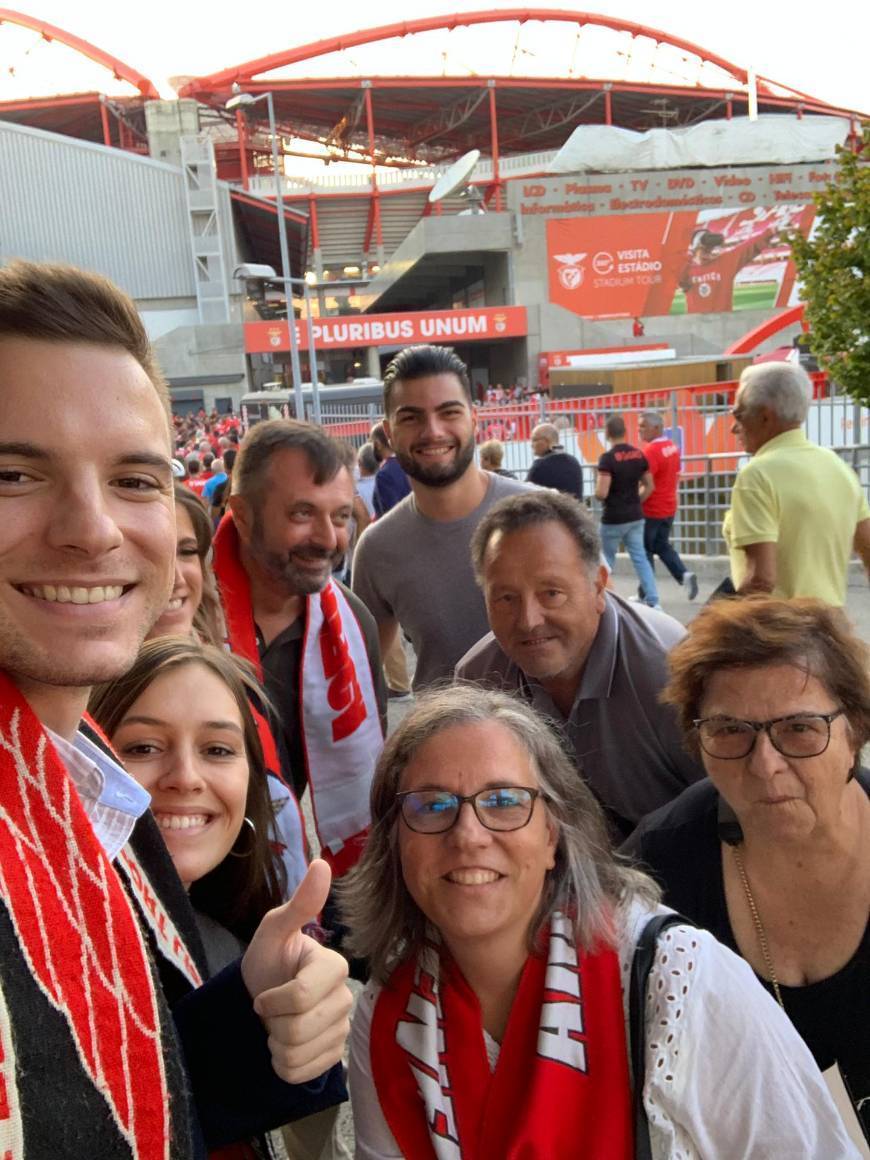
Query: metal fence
[[348, 421], [697, 418], [705, 497]]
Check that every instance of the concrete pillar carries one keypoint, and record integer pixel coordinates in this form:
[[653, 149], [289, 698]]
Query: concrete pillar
[[166, 122], [373, 367]]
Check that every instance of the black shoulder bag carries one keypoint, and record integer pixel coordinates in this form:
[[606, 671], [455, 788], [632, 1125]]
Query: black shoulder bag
[[640, 968]]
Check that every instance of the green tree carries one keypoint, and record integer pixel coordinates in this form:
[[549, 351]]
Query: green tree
[[834, 268]]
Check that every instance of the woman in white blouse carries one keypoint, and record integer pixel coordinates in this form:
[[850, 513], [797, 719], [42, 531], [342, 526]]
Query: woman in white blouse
[[500, 930]]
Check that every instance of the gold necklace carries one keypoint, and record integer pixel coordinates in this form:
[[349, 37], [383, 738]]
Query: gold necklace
[[759, 926]]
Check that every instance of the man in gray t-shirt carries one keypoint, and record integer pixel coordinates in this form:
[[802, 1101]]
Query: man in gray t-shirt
[[413, 565]]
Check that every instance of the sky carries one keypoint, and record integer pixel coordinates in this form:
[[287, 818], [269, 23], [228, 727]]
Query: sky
[[819, 48]]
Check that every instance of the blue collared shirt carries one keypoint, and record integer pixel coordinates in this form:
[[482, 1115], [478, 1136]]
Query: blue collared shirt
[[112, 799]]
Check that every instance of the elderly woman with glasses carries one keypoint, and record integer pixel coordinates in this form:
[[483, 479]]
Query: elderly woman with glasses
[[501, 932], [772, 854]]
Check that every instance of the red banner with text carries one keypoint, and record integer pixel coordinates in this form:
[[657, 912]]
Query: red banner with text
[[674, 263], [484, 324]]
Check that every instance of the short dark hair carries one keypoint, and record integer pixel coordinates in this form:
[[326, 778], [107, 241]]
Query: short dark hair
[[50, 302], [758, 631], [529, 508], [367, 459], [614, 428], [379, 441], [417, 362], [193, 465], [207, 461], [266, 439], [229, 458]]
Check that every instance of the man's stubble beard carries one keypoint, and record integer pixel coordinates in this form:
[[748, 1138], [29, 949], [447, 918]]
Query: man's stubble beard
[[438, 476], [281, 569]]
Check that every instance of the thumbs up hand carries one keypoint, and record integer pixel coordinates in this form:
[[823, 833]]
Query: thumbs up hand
[[298, 986]]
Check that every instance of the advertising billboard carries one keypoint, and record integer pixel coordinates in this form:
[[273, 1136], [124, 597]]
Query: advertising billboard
[[699, 262]]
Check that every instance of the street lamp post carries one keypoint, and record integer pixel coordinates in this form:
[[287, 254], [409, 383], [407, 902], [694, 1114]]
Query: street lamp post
[[245, 101], [258, 273]]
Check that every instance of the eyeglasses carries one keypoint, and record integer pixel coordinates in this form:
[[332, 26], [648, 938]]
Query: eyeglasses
[[798, 735], [501, 808]]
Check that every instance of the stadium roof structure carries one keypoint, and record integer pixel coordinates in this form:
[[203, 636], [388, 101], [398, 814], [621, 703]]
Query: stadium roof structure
[[557, 69], [111, 114]]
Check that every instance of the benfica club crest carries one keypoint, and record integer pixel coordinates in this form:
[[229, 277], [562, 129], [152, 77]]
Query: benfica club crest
[[570, 271]]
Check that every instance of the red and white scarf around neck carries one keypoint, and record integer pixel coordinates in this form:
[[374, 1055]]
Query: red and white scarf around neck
[[561, 1086], [77, 930], [341, 727]]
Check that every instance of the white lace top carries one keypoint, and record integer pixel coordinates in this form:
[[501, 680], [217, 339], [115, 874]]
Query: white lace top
[[727, 1076]]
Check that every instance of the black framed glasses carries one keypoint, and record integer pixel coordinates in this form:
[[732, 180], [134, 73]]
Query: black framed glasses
[[501, 808], [797, 735]]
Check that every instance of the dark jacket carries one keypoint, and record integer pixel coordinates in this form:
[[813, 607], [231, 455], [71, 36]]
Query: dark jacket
[[216, 1059]]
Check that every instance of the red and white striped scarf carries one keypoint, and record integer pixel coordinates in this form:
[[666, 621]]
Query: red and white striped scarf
[[79, 936], [341, 727], [561, 1086]]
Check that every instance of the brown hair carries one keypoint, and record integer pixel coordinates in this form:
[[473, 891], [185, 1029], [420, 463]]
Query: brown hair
[[758, 631], [586, 883], [49, 302], [239, 891], [492, 450], [207, 620], [273, 435]]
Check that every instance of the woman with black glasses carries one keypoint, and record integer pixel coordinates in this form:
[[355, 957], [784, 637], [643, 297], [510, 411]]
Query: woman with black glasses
[[772, 854], [501, 931]]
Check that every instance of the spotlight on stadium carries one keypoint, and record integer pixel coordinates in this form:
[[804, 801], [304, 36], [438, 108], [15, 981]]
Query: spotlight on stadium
[[241, 101], [253, 272]]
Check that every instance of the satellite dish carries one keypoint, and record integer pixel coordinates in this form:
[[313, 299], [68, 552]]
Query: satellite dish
[[455, 177]]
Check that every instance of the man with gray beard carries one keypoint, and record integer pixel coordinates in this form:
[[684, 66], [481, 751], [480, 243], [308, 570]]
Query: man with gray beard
[[313, 642]]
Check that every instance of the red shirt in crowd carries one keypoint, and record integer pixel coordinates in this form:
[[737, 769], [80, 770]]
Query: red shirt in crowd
[[663, 458], [197, 483]]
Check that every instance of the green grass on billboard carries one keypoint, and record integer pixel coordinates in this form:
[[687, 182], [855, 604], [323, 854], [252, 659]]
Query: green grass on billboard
[[747, 296]]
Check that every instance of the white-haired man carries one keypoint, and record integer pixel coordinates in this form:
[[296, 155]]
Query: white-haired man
[[797, 510]]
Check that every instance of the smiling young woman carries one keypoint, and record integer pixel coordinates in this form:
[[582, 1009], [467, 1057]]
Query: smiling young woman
[[193, 607], [181, 724]]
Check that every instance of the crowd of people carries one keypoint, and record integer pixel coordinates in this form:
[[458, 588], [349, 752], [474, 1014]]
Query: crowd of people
[[607, 882], [497, 394]]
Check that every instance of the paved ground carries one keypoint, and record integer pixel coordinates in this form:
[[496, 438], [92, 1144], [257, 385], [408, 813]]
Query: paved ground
[[711, 572]]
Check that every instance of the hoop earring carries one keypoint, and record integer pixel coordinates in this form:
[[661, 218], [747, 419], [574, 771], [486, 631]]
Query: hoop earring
[[247, 821]]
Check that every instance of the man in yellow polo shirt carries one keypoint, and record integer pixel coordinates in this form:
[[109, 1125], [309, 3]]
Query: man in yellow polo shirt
[[797, 510]]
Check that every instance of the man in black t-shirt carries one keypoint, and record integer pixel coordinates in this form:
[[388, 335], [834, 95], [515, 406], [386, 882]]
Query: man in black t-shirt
[[554, 466], [624, 482]]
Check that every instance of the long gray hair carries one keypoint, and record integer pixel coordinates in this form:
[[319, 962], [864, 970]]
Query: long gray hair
[[587, 883]]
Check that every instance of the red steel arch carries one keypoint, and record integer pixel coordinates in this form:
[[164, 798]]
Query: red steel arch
[[247, 71], [766, 329], [119, 70]]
